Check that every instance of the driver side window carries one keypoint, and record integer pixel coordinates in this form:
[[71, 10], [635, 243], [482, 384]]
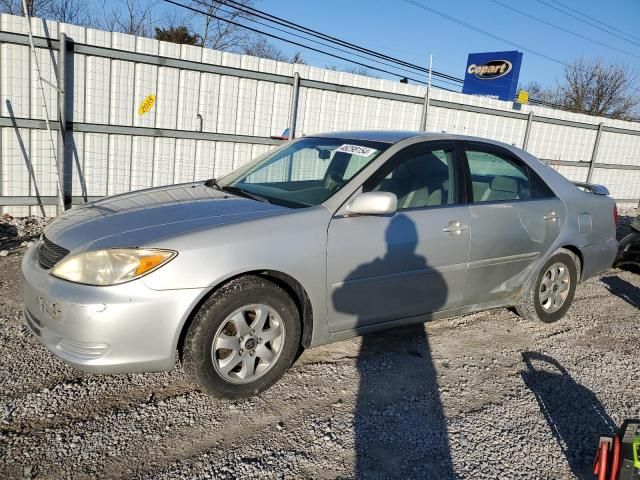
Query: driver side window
[[419, 176]]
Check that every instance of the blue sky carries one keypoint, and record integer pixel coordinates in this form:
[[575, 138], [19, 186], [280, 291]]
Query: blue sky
[[408, 32]]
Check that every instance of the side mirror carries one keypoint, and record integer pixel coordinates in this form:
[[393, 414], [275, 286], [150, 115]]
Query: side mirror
[[373, 203]]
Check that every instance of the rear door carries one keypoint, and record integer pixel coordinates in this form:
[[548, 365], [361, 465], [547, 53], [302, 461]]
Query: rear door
[[514, 219]]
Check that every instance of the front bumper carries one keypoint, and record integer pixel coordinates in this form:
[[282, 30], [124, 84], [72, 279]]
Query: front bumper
[[120, 329]]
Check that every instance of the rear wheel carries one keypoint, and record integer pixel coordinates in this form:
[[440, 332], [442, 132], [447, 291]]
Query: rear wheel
[[552, 293], [243, 338]]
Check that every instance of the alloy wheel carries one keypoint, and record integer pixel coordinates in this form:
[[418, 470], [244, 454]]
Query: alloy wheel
[[248, 343]]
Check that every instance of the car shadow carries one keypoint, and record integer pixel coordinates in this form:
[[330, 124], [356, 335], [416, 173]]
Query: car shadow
[[400, 425], [574, 414], [623, 289]]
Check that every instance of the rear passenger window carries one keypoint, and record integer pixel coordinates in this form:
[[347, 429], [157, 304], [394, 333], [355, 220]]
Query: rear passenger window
[[496, 177]]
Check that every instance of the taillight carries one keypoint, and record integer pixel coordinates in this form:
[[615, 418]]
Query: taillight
[[615, 214]]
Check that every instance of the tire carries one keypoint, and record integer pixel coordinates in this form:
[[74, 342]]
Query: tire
[[222, 318], [545, 308]]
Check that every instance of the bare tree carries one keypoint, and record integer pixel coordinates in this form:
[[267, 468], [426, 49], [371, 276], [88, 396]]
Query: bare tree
[[220, 34], [36, 8], [71, 11], [77, 12], [264, 49], [297, 58], [594, 87], [134, 18]]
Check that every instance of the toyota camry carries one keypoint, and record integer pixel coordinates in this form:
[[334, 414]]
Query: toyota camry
[[324, 238]]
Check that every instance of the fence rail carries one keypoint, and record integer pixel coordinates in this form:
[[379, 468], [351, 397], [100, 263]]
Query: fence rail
[[213, 111]]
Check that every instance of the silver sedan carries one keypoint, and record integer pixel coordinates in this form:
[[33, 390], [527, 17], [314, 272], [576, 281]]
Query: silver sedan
[[325, 238]]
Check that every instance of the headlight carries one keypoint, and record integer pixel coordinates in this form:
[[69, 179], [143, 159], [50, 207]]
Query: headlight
[[110, 267]]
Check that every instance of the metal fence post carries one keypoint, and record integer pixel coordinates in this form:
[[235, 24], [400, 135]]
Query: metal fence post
[[293, 112], [525, 142], [425, 112], [65, 164], [594, 153]]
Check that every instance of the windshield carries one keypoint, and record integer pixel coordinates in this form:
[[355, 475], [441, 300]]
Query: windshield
[[305, 173]]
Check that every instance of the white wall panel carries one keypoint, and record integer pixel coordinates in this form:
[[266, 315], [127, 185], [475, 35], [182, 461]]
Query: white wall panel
[[228, 104], [558, 142], [119, 179], [242, 154], [146, 84], [96, 164], [188, 99], [142, 162], [166, 105], [185, 160], [619, 149], [76, 145], [209, 96], [121, 103], [47, 60], [15, 166], [205, 160], [164, 161], [97, 77], [575, 174], [621, 183], [15, 69], [223, 158]]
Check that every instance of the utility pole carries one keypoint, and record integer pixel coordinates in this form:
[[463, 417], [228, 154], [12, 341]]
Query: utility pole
[[425, 108]]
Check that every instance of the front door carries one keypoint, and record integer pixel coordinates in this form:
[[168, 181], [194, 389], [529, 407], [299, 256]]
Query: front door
[[382, 268]]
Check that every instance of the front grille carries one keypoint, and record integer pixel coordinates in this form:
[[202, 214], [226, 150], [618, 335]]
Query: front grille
[[49, 253]]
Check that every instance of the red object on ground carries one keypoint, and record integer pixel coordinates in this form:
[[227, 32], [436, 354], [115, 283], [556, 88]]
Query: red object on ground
[[602, 460]]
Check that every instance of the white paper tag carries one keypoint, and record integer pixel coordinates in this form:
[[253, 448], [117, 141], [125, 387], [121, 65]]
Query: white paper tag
[[356, 150]]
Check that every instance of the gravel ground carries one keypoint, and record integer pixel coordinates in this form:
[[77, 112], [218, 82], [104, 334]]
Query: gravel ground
[[480, 396]]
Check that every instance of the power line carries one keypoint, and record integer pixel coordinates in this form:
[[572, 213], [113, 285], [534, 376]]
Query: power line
[[301, 28], [328, 45], [600, 22], [255, 30], [594, 25], [566, 30], [484, 32]]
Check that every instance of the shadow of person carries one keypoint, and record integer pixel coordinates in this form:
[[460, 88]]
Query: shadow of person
[[400, 426], [623, 289], [575, 416]]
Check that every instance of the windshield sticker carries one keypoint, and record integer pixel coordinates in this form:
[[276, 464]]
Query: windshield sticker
[[356, 150]]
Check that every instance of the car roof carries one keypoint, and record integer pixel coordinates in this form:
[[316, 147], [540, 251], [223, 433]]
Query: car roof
[[386, 136], [394, 136]]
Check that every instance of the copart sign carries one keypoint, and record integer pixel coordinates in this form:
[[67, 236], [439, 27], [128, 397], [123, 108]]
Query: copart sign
[[493, 74]]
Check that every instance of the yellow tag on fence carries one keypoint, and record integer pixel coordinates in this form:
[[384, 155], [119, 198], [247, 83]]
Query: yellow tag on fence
[[146, 104]]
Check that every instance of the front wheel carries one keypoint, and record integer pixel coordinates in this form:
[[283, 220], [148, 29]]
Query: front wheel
[[552, 293], [243, 338]]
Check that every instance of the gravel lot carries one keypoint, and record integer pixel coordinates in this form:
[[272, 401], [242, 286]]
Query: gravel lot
[[486, 395]]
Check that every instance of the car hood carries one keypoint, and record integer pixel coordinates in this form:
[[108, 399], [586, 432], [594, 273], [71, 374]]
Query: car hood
[[138, 218]]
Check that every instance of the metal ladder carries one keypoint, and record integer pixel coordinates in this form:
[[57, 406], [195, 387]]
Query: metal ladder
[[42, 81]]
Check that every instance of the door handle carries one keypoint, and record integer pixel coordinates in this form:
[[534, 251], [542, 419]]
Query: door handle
[[553, 216], [454, 228]]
